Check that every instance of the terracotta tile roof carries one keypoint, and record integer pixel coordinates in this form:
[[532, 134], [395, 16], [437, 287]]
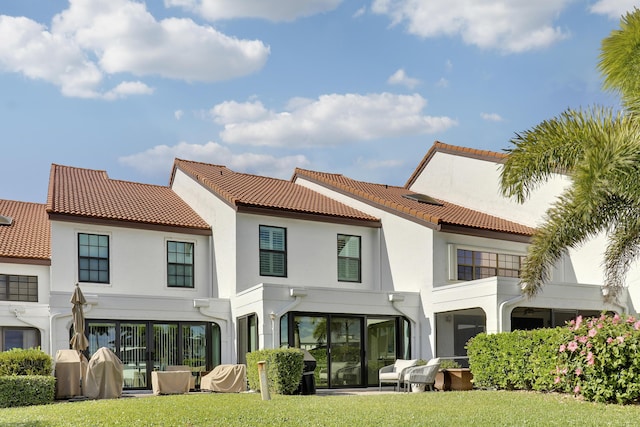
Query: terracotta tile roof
[[92, 194], [391, 198], [439, 147], [245, 190], [28, 236]]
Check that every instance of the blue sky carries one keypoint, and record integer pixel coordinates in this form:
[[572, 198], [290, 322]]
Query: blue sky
[[361, 88]]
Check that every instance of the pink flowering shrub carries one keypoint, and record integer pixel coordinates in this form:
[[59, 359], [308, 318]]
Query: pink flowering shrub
[[600, 359]]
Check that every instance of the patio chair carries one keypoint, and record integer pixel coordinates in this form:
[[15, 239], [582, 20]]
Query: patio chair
[[395, 373], [424, 374]]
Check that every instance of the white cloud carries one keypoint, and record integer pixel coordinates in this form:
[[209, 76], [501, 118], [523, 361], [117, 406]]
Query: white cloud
[[128, 88], [448, 65], [328, 121], [272, 10], [95, 38], [614, 9], [491, 117], [360, 12], [178, 114], [159, 159], [378, 164], [513, 26], [401, 78], [444, 83]]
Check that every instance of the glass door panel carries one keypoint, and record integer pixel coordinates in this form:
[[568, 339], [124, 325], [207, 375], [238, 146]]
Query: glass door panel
[[194, 347], [381, 346], [133, 354], [310, 333], [346, 351], [165, 345]]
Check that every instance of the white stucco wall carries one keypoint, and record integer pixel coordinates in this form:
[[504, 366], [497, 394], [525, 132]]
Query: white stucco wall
[[475, 184], [137, 261], [312, 258], [222, 219], [405, 247]]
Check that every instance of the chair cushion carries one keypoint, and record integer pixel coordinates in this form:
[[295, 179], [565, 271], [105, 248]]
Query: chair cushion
[[400, 364], [392, 376]]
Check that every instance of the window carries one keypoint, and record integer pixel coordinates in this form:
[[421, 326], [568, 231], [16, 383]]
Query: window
[[180, 264], [247, 336], [18, 288], [93, 258], [15, 337], [273, 251], [348, 258], [478, 265]]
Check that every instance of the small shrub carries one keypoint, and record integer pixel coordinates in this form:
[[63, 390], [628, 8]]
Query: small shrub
[[284, 369], [25, 390], [25, 362], [449, 364]]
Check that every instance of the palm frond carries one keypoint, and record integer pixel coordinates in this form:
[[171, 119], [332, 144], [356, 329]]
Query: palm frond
[[622, 251], [568, 224], [620, 60], [554, 146]]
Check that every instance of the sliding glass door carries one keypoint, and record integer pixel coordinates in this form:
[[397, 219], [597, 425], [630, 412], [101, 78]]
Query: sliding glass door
[[349, 349], [147, 346]]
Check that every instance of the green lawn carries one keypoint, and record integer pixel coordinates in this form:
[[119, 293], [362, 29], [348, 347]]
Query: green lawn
[[473, 408]]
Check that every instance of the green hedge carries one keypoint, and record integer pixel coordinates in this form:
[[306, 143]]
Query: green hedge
[[284, 369], [518, 360], [25, 362], [25, 390], [596, 358]]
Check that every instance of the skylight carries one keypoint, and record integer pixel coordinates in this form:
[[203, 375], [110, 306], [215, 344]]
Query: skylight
[[423, 198], [6, 220]]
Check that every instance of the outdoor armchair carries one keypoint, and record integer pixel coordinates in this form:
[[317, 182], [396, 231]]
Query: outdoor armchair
[[395, 373], [425, 374]]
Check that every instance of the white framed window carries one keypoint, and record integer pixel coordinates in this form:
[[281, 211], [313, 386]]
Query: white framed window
[[180, 264], [349, 254], [93, 258], [469, 263], [273, 251]]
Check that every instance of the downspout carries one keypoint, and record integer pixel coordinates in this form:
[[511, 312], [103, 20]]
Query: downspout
[[298, 293], [415, 330], [91, 301], [202, 304], [502, 307], [51, 322]]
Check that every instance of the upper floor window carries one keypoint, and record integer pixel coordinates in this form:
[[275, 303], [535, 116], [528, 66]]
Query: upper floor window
[[273, 251], [478, 264], [348, 258], [180, 264], [18, 288], [93, 258]]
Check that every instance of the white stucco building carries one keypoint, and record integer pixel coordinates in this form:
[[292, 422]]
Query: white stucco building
[[220, 263]]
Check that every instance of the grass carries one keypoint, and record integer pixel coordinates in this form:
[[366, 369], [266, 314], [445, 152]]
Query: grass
[[477, 408]]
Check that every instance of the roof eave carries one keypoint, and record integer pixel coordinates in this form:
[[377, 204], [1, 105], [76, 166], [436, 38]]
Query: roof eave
[[112, 222]]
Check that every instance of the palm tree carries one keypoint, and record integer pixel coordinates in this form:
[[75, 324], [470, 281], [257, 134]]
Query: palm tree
[[599, 150]]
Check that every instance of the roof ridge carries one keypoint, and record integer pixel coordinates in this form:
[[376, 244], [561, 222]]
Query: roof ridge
[[451, 213], [178, 159]]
